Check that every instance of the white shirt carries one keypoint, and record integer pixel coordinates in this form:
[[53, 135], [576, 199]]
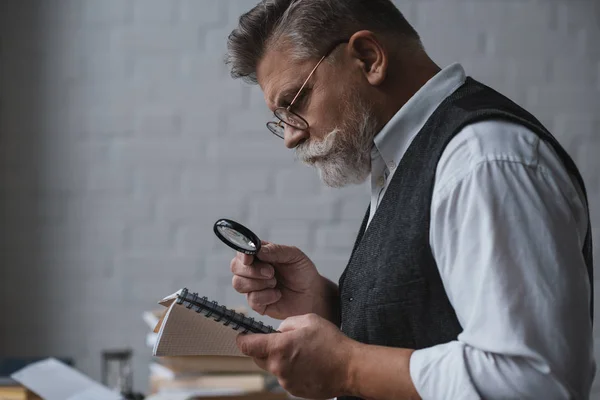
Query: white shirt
[[507, 228]]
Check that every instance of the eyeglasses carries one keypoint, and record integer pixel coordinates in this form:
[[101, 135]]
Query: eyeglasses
[[288, 117]]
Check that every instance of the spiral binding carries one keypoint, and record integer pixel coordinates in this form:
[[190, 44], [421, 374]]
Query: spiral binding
[[222, 314]]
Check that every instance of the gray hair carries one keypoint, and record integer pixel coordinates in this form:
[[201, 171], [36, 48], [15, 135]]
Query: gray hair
[[309, 27]]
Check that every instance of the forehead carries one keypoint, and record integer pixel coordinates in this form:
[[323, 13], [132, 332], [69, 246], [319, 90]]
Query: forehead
[[278, 73]]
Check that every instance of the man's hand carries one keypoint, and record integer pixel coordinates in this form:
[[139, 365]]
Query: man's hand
[[284, 282], [310, 357]]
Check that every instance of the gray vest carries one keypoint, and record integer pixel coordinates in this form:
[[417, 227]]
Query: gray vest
[[391, 291]]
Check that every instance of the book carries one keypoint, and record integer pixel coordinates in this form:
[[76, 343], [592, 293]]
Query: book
[[209, 364], [247, 396], [209, 395], [193, 326], [163, 379], [17, 392]]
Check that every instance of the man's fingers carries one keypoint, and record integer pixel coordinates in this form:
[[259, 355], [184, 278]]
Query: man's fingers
[[258, 270], [247, 285], [259, 300], [276, 253], [254, 345]]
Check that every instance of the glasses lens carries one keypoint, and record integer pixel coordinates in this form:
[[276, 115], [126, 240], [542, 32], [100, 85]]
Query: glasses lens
[[276, 128], [291, 119]]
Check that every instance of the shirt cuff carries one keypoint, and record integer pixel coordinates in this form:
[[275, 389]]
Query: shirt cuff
[[440, 372]]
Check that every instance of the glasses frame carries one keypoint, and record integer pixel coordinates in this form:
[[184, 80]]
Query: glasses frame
[[303, 125]]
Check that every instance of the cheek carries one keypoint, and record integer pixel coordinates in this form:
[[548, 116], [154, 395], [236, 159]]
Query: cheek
[[326, 114]]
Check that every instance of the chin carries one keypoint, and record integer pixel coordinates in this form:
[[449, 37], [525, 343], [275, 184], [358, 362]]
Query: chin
[[338, 177]]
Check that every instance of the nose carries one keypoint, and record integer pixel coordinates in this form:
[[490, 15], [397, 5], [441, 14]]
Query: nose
[[293, 136]]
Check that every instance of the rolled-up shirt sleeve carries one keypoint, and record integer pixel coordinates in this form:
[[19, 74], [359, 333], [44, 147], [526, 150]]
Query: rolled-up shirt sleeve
[[507, 235]]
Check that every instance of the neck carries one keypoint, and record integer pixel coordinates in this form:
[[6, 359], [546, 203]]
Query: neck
[[404, 80]]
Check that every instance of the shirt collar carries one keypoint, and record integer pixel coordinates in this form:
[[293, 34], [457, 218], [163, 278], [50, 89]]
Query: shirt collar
[[395, 137]]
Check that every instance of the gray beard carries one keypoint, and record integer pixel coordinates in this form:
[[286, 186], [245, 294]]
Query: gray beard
[[343, 157]]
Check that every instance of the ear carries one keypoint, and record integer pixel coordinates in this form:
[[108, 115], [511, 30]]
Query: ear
[[368, 50]]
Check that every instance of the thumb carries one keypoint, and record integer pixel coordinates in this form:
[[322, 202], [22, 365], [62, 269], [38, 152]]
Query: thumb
[[254, 345], [277, 253]]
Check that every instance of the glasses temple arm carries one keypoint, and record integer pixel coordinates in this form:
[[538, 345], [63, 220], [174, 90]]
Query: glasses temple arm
[[305, 82]]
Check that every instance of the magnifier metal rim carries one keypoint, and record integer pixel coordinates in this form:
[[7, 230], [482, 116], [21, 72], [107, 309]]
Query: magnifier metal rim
[[236, 226]]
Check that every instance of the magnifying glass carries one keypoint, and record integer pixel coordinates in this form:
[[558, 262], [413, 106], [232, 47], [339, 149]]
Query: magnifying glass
[[237, 236]]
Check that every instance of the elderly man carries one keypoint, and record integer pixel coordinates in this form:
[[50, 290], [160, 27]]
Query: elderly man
[[471, 276]]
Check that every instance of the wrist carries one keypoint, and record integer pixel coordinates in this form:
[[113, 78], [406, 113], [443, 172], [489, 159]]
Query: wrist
[[327, 300], [377, 372], [355, 353]]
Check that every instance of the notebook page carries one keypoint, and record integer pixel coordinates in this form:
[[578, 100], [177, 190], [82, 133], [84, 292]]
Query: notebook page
[[184, 332], [167, 301]]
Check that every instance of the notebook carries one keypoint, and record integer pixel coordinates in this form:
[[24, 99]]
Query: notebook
[[194, 326]]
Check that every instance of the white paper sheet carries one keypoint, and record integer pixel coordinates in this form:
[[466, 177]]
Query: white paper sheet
[[53, 380]]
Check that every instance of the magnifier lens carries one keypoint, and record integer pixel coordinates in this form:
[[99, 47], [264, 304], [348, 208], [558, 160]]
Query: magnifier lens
[[237, 236]]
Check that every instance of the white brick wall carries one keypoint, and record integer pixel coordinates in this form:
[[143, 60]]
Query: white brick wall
[[122, 139]]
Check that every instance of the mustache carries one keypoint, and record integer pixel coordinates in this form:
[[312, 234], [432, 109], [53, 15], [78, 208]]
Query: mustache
[[311, 150]]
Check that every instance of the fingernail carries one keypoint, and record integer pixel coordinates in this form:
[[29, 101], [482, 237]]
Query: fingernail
[[266, 271]]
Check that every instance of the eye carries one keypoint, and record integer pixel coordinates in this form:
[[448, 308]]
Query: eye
[[302, 99]]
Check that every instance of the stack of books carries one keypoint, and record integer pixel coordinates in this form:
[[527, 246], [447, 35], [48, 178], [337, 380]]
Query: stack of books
[[206, 375]]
